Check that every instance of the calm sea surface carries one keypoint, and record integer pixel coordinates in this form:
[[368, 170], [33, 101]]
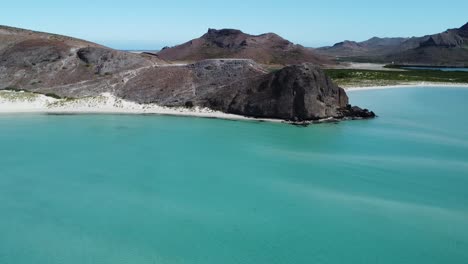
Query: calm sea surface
[[150, 189]]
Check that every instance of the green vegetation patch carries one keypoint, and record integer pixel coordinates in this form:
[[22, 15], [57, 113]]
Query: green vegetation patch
[[11, 95], [353, 77], [21, 93]]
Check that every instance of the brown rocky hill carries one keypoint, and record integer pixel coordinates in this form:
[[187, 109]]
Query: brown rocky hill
[[68, 67], [230, 43], [34, 61], [449, 48], [372, 47]]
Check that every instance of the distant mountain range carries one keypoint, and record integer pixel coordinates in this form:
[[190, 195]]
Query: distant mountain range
[[374, 46], [449, 48], [230, 43]]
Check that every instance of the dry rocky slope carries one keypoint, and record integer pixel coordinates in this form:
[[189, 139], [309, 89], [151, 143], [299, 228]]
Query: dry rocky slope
[[372, 47], [449, 48], [230, 43], [68, 67]]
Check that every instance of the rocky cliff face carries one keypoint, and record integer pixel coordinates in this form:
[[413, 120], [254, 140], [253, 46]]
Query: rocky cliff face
[[230, 43], [299, 92], [66, 67]]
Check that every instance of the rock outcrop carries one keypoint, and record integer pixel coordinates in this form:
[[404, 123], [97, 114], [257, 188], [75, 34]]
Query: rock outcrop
[[66, 67], [230, 43], [297, 93]]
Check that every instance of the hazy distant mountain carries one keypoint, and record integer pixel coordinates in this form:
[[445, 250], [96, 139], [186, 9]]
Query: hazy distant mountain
[[372, 47], [449, 48], [230, 43]]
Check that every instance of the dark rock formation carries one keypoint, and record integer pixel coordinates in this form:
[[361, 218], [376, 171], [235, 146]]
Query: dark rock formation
[[231, 43], [297, 93], [355, 112], [71, 68]]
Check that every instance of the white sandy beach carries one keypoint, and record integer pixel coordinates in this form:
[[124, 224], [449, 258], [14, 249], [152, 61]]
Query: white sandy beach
[[12, 102], [24, 102]]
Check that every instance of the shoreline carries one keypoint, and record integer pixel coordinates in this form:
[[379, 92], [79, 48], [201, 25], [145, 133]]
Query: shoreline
[[408, 85], [13, 102], [28, 103]]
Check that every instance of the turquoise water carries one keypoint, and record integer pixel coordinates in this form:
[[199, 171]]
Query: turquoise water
[[437, 69], [150, 189]]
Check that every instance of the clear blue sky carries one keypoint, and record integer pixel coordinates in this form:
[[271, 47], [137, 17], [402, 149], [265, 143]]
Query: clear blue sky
[[146, 24]]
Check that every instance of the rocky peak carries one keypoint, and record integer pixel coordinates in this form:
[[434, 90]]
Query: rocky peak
[[214, 33], [383, 42], [463, 31], [225, 38], [348, 44], [465, 27], [373, 40], [272, 36], [447, 39], [266, 48]]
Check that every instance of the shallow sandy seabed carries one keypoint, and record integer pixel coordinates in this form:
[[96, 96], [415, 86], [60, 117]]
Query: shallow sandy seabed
[[409, 85]]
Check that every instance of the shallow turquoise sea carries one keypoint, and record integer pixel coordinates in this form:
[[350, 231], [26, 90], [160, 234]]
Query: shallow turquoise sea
[[152, 189]]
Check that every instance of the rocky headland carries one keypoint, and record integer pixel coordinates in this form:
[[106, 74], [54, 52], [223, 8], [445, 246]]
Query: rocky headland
[[70, 68]]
